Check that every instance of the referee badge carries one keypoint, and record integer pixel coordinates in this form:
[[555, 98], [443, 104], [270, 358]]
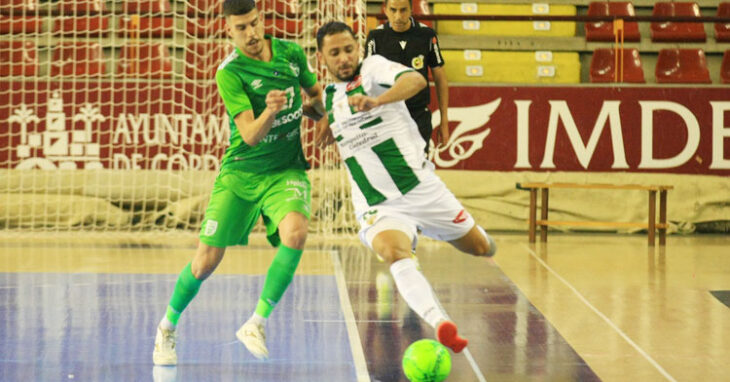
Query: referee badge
[[417, 62]]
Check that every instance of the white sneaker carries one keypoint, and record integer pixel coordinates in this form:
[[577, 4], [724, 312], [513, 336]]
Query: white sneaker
[[164, 353], [253, 336]]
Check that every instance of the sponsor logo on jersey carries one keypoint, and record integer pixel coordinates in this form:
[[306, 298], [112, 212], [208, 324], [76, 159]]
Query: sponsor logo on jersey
[[403, 44], [354, 84], [417, 62], [256, 83], [461, 217], [210, 227], [287, 118]]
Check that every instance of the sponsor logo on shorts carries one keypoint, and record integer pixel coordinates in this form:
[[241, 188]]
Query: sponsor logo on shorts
[[256, 83], [210, 227], [461, 217], [370, 216]]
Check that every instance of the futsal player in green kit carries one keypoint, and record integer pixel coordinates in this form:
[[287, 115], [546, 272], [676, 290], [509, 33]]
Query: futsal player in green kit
[[262, 172]]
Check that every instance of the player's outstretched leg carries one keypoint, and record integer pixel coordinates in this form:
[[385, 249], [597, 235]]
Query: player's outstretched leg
[[279, 276], [418, 294], [448, 335], [206, 260], [476, 242], [186, 288]]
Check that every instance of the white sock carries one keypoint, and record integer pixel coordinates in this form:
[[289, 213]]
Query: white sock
[[417, 291], [167, 324], [258, 319]]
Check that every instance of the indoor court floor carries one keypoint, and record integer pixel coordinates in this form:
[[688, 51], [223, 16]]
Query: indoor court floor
[[598, 307]]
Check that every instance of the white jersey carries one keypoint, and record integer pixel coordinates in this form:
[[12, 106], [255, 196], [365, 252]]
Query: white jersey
[[382, 147]]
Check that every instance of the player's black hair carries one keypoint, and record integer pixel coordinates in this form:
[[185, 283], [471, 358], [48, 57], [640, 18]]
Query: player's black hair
[[238, 7], [410, 2], [332, 27]]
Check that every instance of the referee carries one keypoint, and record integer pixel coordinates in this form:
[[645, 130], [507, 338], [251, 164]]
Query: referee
[[414, 45]]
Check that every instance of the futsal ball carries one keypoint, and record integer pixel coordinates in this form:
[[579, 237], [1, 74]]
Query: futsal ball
[[426, 361]]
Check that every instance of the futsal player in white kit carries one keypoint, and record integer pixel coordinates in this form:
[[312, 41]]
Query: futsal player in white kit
[[395, 191]]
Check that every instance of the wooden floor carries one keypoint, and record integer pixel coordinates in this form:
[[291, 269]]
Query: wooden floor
[[579, 308]]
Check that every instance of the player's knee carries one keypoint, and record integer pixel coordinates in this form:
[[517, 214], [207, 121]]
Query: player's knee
[[485, 246], [391, 254], [206, 260], [295, 238]]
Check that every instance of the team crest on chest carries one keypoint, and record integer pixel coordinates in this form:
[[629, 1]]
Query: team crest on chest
[[417, 62], [294, 68]]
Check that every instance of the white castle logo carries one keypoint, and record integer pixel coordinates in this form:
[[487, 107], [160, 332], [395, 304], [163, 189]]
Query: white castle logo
[[57, 147]]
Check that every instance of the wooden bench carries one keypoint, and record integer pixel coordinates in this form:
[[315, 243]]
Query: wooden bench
[[651, 226]]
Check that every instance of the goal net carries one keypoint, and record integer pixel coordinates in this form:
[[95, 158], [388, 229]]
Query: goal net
[[110, 119]]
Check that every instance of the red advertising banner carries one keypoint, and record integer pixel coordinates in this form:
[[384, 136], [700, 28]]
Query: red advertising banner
[[143, 125], [594, 129], [113, 125]]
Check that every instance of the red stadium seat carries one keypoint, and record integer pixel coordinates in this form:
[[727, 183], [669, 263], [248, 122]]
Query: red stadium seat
[[82, 26], [204, 6], [20, 24], [81, 6], [21, 18], [145, 60], [202, 59], [280, 6], [677, 32], [603, 65], [215, 27], [603, 31], [136, 26], [18, 58], [78, 59], [682, 66], [722, 31], [206, 26], [21, 6], [279, 27], [725, 68], [147, 6], [420, 7]]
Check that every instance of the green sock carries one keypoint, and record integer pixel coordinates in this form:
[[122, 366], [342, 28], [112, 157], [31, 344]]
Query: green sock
[[280, 274], [186, 288]]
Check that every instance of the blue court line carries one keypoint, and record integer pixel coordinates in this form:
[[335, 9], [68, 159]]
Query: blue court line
[[101, 327]]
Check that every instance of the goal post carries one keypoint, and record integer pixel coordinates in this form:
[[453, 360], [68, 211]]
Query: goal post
[[110, 119]]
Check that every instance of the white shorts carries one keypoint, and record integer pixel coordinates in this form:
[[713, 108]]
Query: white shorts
[[429, 208]]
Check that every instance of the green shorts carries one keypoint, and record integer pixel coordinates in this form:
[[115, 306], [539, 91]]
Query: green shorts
[[238, 198]]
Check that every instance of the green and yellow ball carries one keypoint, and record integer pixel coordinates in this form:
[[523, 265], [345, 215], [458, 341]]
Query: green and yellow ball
[[426, 361]]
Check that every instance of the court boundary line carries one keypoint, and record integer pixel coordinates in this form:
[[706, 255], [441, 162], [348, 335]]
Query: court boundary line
[[608, 321], [358, 356]]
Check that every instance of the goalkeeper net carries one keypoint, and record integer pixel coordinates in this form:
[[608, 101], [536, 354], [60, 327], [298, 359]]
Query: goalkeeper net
[[110, 119]]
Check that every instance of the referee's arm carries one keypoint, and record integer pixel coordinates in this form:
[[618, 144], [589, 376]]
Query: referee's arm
[[442, 93]]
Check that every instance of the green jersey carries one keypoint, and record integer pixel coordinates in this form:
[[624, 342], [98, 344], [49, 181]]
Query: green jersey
[[243, 84]]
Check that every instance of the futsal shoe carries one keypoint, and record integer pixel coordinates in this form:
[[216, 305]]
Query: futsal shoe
[[252, 335], [446, 333], [164, 354]]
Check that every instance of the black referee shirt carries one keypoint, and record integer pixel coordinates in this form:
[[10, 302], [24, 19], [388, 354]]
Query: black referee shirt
[[416, 48]]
